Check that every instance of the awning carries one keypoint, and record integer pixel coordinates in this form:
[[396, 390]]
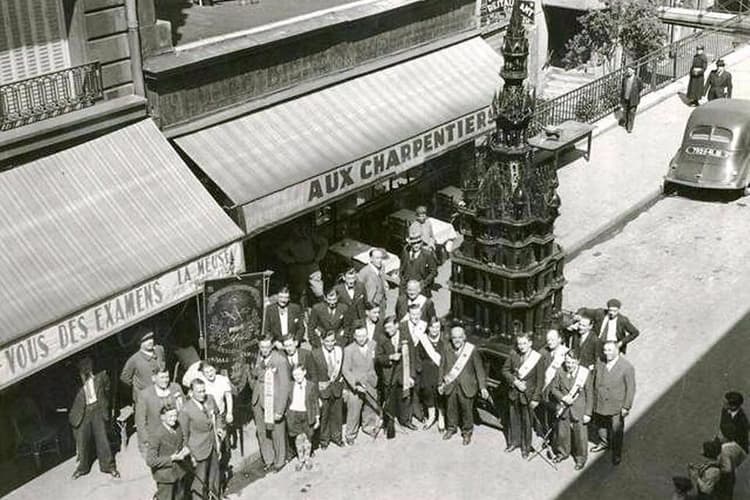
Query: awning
[[301, 153], [89, 222]]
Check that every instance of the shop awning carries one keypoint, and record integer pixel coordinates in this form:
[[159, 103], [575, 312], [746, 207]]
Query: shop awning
[[94, 220], [301, 153]]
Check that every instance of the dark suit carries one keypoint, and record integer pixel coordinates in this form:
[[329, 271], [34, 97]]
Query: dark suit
[[402, 309], [304, 358], [271, 441], [589, 351], [520, 413], [199, 423], [719, 85], [625, 331], [168, 475], [396, 401], [295, 322], [570, 423], [311, 401], [423, 268], [148, 409], [630, 100], [461, 392], [90, 422], [331, 391], [323, 320], [613, 390], [734, 428], [356, 304]]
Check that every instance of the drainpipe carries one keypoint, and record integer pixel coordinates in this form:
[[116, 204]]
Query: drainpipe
[[134, 43]]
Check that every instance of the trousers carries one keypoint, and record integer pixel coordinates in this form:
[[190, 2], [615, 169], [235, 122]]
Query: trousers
[[458, 405], [171, 491], [358, 410], [94, 428], [520, 425], [206, 477], [610, 429], [331, 416], [572, 438], [272, 443]]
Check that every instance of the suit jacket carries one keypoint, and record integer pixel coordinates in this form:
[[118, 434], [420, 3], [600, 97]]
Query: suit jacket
[[295, 322], [198, 426], [281, 381], [472, 378], [391, 372], [402, 308], [534, 379], [304, 358], [589, 351], [78, 407], [626, 332], [735, 429], [374, 283], [634, 99], [321, 321], [359, 368], [355, 304], [583, 404], [719, 85], [422, 269], [614, 389], [148, 409], [162, 446], [335, 387], [311, 401]]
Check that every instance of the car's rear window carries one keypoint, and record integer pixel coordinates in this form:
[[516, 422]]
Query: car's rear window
[[701, 133], [708, 133], [721, 135]]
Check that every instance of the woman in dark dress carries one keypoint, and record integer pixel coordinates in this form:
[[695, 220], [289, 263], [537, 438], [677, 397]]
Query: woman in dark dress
[[430, 375], [697, 71]]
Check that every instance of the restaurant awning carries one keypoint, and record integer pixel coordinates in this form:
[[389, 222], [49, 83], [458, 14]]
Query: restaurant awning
[[79, 226], [290, 157]]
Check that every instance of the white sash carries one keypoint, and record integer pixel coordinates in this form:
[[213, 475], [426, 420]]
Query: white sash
[[528, 365], [420, 301], [460, 364], [337, 360], [405, 365], [558, 357], [579, 383], [268, 413], [417, 334], [430, 349]]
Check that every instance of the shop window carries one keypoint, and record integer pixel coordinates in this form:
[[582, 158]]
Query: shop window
[[399, 182]]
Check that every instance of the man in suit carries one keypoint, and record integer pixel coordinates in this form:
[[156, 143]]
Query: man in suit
[[553, 358], [203, 429], [329, 359], [372, 324], [719, 83], [284, 318], [733, 422], [299, 356], [416, 329], [572, 391], [150, 402], [630, 96], [352, 294], [396, 362], [615, 327], [361, 393], [165, 453], [417, 263], [140, 367], [524, 373], [584, 341], [614, 391], [89, 417], [270, 381], [462, 377], [327, 316], [414, 295], [372, 277]]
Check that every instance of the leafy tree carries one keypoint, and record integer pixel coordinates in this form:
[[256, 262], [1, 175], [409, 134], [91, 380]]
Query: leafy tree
[[630, 25]]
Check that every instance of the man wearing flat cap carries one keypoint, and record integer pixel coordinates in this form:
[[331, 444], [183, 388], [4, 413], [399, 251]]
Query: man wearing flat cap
[[719, 83], [733, 423], [417, 262], [145, 363], [611, 326]]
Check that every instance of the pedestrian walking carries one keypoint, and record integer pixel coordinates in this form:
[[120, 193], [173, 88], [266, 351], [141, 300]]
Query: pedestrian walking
[[719, 83], [697, 76], [630, 96]]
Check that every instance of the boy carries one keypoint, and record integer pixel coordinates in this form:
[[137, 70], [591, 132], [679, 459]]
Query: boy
[[303, 415]]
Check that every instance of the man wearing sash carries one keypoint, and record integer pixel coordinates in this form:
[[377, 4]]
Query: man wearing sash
[[416, 329], [414, 296], [270, 381], [430, 355], [462, 376], [524, 373], [361, 394], [396, 362], [553, 357], [329, 359], [572, 391]]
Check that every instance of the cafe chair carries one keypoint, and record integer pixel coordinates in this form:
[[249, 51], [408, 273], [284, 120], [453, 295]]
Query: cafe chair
[[34, 435]]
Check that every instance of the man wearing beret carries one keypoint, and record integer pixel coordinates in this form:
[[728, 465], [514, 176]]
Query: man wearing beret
[[611, 326], [733, 424], [144, 364]]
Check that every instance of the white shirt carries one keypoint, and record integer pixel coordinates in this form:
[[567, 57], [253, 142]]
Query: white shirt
[[611, 329], [218, 388], [350, 292], [611, 364], [293, 359], [298, 397], [370, 327], [413, 328], [89, 389], [283, 314], [395, 340], [332, 360]]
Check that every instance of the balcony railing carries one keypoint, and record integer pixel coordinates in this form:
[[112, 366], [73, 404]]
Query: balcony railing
[[598, 98], [41, 97]]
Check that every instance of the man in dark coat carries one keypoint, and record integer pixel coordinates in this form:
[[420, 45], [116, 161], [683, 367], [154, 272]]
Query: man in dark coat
[[614, 391], [630, 96], [524, 373], [572, 390], [697, 76], [462, 375], [584, 341], [329, 360], [89, 417], [417, 263], [150, 402], [283, 318], [414, 295], [611, 325], [352, 294], [719, 83], [733, 422], [330, 315], [296, 355], [165, 452]]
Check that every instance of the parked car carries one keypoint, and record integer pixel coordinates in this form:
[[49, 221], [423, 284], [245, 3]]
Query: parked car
[[715, 149]]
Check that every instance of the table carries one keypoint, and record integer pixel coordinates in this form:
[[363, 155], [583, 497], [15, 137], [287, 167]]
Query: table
[[443, 231], [571, 132], [358, 253], [448, 199]]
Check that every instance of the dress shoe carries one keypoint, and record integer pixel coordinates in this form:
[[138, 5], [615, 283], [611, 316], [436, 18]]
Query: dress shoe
[[114, 473], [449, 434], [277, 468], [511, 448], [308, 465], [267, 467], [350, 441], [298, 466], [467, 439], [616, 460], [77, 474], [579, 465], [525, 455], [429, 425], [339, 443], [410, 426], [598, 448], [559, 458], [323, 446]]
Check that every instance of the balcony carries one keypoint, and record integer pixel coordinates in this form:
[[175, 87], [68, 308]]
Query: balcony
[[49, 95]]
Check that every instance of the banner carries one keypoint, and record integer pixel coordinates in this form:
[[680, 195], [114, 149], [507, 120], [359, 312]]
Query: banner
[[41, 349], [233, 318]]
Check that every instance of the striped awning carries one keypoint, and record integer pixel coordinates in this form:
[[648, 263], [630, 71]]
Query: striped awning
[[83, 224], [273, 161]]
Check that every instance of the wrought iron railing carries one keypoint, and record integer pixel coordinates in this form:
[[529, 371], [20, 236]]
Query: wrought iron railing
[[600, 97], [41, 97]]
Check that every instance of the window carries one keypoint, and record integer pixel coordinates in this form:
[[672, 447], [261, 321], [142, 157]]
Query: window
[[33, 39], [701, 133], [721, 135]]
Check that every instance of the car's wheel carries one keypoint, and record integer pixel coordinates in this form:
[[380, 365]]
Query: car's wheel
[[746, 191], [669, 188]]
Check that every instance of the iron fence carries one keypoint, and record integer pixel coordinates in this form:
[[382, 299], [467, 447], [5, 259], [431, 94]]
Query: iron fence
[[48, 95], [600, 97]]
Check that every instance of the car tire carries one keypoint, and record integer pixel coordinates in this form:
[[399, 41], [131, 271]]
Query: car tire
[[745, 191], [669, 188]]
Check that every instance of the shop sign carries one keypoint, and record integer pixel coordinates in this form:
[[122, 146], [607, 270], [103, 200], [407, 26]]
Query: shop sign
[[354, 176], [41, 349]]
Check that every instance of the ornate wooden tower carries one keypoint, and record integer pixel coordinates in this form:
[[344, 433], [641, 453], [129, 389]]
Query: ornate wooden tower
[[507, 275]]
